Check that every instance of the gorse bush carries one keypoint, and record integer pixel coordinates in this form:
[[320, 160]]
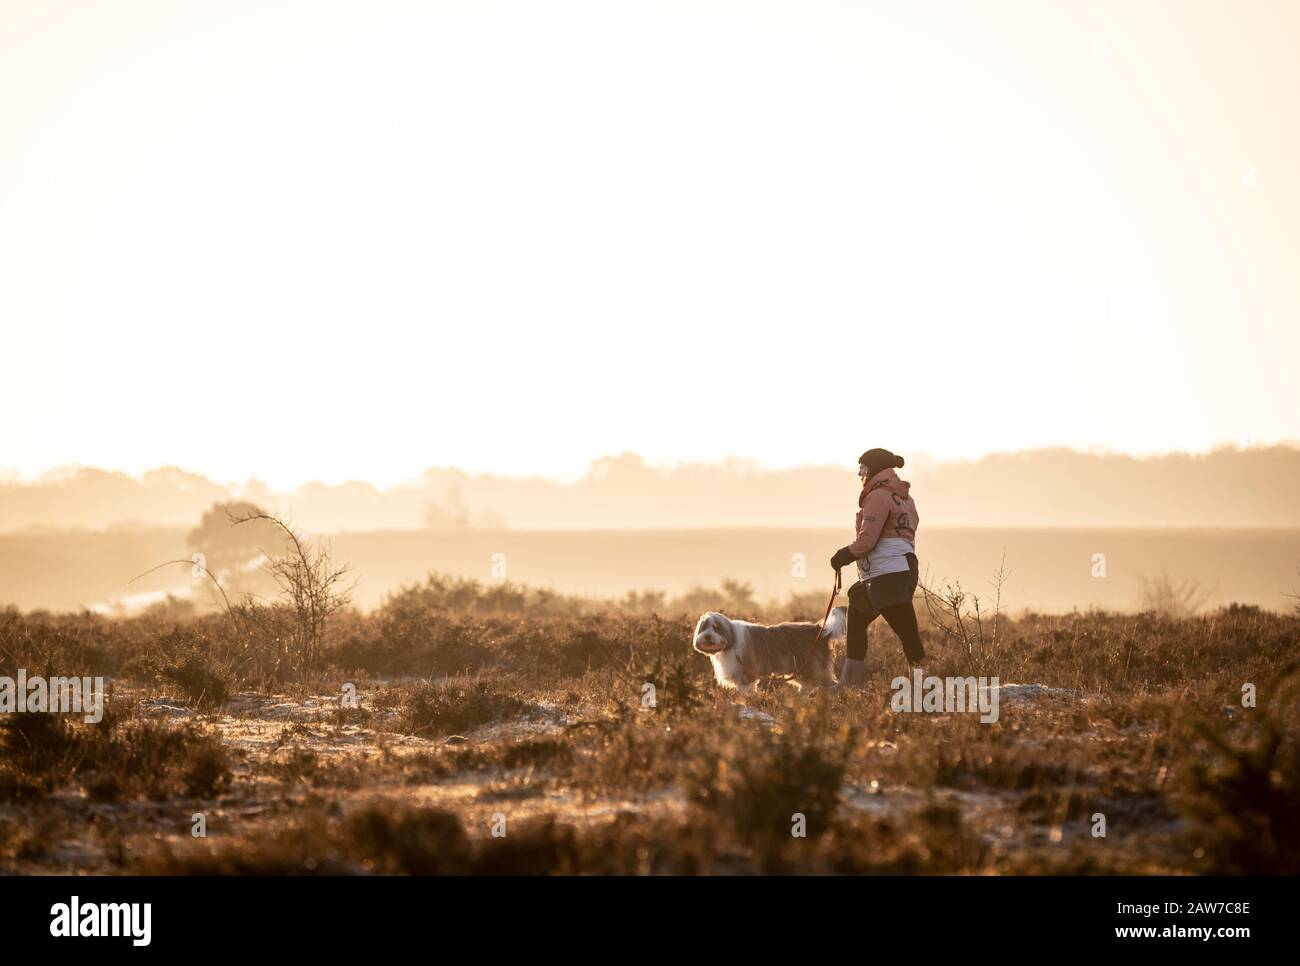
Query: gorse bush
[[71, 644], [36, 752], [187, 660], [672, 685], [398, 839], [456, 706], [764, 781], [1244, 792], [413, 841], [113, 760], [461, 595]]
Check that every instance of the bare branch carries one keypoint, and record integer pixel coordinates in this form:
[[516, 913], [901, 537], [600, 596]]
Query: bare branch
[[190, 563]]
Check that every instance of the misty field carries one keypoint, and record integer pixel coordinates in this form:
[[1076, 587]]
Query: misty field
[[469, 729], [1052, 569]]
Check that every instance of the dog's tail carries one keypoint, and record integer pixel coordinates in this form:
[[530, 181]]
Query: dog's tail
[[837, 624]]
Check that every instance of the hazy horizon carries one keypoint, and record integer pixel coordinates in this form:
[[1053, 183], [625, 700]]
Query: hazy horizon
[[1051, 488], [313, 242], [10, 475]]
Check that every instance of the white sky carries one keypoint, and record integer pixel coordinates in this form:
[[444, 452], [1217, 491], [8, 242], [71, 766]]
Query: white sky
[[297, 240]]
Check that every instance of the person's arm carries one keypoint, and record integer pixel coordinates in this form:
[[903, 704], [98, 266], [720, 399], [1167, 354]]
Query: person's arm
[[874, 514]]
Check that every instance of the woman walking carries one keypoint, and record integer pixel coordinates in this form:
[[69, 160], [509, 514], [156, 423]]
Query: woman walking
[[885, 552]]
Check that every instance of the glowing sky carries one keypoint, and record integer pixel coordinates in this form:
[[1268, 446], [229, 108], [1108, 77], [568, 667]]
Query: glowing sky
[[296, 240]]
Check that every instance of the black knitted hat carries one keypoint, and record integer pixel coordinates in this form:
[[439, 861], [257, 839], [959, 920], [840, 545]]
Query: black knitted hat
[[876, 460]]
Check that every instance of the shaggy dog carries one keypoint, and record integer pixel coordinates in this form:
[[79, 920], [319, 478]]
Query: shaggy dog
[[744, 654]]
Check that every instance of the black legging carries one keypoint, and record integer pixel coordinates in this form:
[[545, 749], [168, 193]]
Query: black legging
[[888, 596]]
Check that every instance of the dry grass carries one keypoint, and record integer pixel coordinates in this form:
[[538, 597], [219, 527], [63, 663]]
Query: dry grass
[[467, 716]]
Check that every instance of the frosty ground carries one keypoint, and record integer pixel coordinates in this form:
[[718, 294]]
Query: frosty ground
[[436, 740]]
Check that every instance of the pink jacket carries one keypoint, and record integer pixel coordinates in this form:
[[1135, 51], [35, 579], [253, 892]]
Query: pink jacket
[[884, 510]]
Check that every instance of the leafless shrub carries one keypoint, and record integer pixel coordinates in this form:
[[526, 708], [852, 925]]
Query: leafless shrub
[[286, 636], [962, 617], [311, 587], [1295, 596], [1160, 595]]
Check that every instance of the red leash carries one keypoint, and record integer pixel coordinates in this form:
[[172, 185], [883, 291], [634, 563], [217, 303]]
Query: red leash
[[830, 605]]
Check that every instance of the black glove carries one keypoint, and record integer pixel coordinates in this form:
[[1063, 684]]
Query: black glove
[[843, 557]]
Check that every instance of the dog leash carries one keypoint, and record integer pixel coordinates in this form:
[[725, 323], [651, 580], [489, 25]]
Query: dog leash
[[830, 605]]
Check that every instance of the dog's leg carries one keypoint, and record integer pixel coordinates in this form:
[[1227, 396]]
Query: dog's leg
[[819, 675]]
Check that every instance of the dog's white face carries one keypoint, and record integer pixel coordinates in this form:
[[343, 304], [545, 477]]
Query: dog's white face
[[713, 634]]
